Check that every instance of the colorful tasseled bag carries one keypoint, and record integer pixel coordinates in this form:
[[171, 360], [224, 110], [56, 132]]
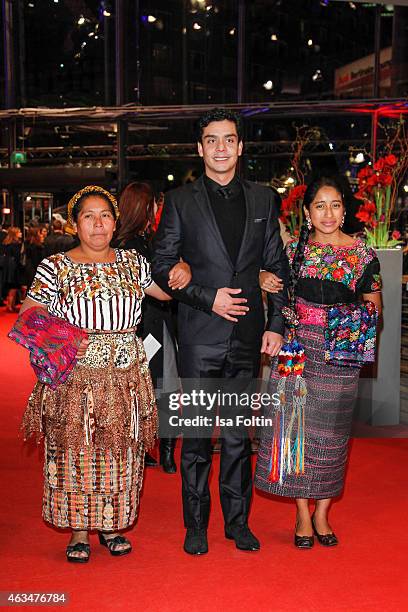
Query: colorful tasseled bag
[[287, 453]]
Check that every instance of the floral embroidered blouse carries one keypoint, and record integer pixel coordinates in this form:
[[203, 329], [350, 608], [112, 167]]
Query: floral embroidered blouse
[[99, 296], [336, 274]]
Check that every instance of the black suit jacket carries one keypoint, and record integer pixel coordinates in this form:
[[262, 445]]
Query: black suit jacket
[[188, 229]]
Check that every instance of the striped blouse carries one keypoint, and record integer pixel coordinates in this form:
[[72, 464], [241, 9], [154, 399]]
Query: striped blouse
[[100, 296]]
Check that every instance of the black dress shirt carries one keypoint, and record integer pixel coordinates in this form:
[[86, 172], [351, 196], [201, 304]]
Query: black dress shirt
[[228, 205]]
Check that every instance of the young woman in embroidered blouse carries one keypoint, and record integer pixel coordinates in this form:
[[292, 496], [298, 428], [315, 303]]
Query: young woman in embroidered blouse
[[99, 422], [327, 267]]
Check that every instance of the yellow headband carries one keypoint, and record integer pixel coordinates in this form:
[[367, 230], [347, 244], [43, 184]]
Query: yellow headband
[[89, 189]]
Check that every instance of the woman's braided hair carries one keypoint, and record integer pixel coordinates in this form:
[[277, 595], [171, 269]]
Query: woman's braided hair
[[310, 194]]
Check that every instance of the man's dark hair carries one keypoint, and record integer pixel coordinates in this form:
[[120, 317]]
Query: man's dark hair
[[218, 114], [57, 225]]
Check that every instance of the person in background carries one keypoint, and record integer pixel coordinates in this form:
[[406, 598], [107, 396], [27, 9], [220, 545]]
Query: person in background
[[34, 252], [138, 208], [57, 241], [328, 267], [11, 251], [44, 229]]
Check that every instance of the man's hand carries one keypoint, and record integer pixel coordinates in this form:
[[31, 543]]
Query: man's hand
[[82, 348], [227, 306], [271, 343], [270, 282], [180, 275]]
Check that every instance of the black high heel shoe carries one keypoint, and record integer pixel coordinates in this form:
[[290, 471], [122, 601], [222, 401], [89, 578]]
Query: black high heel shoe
[[111, 544], [303, 542], [326, 539]]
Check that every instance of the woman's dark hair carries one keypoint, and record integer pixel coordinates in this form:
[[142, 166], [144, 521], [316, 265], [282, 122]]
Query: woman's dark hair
[[12, 235], [218, 114], [310, 194], [34, 236], [136, 207], [78, 204]]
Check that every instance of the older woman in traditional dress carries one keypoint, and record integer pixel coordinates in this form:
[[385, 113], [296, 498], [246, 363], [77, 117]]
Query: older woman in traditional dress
[[328, 268], [99, 422]]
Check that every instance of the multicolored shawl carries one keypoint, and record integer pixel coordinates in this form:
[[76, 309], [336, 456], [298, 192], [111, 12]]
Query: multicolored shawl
[[350, 334], [53, 344]]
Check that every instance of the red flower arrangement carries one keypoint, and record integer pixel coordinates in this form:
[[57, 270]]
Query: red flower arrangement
[[376, 187], [292, 211]]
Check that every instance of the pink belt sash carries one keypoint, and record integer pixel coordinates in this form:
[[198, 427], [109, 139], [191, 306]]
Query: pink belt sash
[[311, 315]]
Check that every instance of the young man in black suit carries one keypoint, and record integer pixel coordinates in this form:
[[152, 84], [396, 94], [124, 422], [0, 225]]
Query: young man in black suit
[[227, 230]]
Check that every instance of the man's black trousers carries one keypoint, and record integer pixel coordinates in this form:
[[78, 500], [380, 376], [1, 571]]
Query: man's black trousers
[[230, 367]]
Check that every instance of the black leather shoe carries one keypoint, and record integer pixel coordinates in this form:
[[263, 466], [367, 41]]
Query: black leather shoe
[[150, 461], [326, 539], [167, 455], [304, 542], [243, 536], [196, 542]]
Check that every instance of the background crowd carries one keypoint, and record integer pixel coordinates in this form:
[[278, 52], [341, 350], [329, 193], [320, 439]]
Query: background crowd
[[21, 253]]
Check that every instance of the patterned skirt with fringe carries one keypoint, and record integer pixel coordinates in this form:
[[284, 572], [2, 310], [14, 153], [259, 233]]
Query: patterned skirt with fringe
[[97, 426], [331, 394]]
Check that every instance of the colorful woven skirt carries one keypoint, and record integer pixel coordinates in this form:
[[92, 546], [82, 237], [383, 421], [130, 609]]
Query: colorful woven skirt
[[331, 394], [97, 426]]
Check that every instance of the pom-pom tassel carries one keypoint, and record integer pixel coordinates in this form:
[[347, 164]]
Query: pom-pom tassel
[[287, 456]]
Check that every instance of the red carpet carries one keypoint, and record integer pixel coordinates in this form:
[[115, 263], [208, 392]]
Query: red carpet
[[368, 571]]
